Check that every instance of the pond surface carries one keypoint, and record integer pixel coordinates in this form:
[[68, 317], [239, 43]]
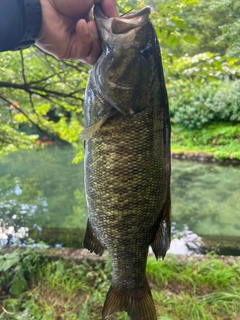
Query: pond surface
[[42, 199]]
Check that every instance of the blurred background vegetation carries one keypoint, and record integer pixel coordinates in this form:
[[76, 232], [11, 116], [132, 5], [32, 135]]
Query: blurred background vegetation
[[41, 97]]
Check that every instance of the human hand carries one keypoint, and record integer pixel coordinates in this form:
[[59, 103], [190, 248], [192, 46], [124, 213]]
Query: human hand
[[68, 30]]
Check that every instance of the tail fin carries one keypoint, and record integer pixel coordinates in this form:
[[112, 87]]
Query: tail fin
[[138, 303]]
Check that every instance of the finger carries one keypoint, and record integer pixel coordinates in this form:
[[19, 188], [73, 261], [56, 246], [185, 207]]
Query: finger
[[89, 47], [73, 8], [96, 46], [110, 8], [84, 39]]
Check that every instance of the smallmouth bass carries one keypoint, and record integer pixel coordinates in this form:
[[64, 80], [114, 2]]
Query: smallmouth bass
[[127, 159]]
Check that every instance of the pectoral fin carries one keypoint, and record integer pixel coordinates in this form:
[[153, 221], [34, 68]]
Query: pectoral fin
[[91, 242], [162, 239], [89, 131]]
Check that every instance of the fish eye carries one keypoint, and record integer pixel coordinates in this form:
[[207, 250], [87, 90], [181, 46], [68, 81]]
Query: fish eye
[[146, 52]]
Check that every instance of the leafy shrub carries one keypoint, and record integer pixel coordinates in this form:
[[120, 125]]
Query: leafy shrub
[[227, 102], [213, 102], [16, 268]]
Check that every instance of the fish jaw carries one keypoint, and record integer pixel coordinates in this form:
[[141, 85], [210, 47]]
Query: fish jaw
[[120, 29], [127, 61]]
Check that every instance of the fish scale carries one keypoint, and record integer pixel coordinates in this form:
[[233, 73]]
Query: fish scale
[[127, 163]]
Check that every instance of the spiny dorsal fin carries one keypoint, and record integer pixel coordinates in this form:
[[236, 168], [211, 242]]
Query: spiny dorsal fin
[[138, 303]]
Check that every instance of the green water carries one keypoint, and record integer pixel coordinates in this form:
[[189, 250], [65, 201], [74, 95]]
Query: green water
[[206, 198], [42, 198]]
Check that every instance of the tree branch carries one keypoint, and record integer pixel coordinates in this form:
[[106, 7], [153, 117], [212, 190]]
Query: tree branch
[[27, 117], [23, 67], [35, 90]]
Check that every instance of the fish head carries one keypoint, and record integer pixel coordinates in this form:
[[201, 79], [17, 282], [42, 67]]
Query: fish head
[[125, 71]]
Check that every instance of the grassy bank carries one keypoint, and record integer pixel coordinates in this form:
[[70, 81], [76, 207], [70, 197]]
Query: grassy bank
[[220, 140], [33, 286]]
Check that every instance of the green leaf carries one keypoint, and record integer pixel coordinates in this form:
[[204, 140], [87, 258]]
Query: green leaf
[[18, 285], [9, 260], [173, 40], [180, 23], [190, 39]]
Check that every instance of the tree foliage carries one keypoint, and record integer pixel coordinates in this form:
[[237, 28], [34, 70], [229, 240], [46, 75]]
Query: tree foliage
[[215, 27], [230, 27], [45, 94]]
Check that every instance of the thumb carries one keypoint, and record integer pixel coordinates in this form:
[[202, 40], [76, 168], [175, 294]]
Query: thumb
[[109, 8], [73, 8]]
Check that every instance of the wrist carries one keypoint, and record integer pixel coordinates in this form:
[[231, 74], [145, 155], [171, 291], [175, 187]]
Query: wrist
[[32, 15]]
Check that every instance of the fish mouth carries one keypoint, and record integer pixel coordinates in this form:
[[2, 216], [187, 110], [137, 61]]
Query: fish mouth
[[123, 25]]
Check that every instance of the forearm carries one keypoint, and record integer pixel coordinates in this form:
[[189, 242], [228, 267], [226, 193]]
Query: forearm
[[20, 22]]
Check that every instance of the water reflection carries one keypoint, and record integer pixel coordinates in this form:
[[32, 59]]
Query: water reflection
[[42, 197]]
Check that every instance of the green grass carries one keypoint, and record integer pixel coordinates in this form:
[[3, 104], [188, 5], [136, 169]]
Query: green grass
[[192, 289], [189, 288], [222, 140]]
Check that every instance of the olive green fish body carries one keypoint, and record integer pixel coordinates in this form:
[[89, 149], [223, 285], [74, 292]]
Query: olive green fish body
[[127, 170]]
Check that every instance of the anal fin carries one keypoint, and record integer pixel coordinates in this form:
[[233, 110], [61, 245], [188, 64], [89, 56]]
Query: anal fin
[[138, 303], [162, 239], [91, 242]]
